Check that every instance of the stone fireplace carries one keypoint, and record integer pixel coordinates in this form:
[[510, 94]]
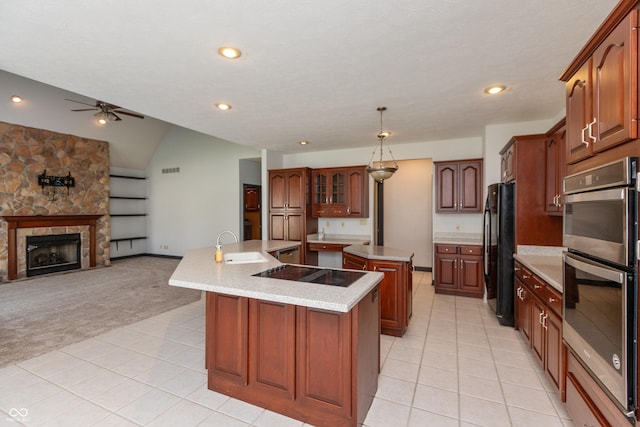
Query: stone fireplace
[[27, 209]]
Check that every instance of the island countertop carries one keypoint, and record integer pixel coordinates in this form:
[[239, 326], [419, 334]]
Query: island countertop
[[198, 270], [379, 252]]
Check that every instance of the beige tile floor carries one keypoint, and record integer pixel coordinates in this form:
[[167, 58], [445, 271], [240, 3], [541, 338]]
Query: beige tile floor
[[456, 366]]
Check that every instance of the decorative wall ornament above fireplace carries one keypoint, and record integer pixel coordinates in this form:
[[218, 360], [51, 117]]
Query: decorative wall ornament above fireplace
[[56, 182]]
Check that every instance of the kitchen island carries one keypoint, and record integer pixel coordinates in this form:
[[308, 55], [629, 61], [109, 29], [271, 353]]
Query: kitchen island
[[396, 289], [308, 351]]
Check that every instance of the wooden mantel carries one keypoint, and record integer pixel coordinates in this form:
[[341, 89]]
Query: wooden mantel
[[14, 222]]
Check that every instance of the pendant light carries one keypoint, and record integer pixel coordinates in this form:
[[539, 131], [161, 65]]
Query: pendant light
[[378, 170]]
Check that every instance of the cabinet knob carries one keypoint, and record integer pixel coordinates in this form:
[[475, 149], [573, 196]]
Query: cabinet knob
[[537, 286], [524, 276], [552, 300]]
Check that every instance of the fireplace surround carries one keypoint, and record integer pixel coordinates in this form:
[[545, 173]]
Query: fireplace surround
[[16, 222]]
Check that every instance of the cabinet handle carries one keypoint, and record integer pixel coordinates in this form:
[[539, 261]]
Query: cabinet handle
[[375, 268], [524, 276], [516, 269], [455, 263], [364, 267], [331, 199], [536, 286], [544, 321], [461, 204], [590, 130], [540, 318], [552, 300], [455, 205], [326, 200], [348, 210], [584, 141]]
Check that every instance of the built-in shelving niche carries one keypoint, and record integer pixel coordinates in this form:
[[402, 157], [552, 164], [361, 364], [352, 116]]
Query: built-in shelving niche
[[128, 211]]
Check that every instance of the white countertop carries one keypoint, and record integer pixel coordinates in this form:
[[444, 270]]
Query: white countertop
[[547, 267], [198, 270], [379, 252], [339, 239]]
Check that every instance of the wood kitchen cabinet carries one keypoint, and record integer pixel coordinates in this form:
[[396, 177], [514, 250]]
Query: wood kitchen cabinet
[[555, 167], [459, 186], [396, 290], [538, 315], [340, 192], [458, 270], [533, 225], [290, 209], [277, 356], [602, 91], [507, 163]]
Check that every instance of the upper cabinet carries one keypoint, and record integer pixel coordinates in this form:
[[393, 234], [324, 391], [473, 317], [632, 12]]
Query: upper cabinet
[[507, 165], [340, 192], [459, 186], [288, 189], [555, 167], [602, 91]]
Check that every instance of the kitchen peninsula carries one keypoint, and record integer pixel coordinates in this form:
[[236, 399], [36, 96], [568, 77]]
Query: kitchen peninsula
[[271, 342]]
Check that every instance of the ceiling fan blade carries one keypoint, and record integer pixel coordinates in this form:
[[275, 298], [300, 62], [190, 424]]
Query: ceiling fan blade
[[80, 102], [129, 114], [116, 116], [86, 109]]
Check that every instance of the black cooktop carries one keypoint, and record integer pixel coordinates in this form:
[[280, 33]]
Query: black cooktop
[[322, 276]]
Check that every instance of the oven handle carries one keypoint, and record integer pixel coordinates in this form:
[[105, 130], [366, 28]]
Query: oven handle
[[593, 268]]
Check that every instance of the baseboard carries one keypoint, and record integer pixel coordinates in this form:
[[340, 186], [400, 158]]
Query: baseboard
[[145, 254]]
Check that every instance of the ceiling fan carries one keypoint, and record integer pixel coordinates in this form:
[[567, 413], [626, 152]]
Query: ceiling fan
[[106, 112]]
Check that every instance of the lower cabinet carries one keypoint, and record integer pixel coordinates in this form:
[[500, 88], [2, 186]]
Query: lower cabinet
[[396, 290], [538, 315], [458, 270], [318, 366], [586, 402]]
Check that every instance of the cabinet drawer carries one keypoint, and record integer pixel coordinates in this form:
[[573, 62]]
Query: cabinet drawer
[[523, 274], [447, 249], [553, 299], [471, 250], [326, 247]]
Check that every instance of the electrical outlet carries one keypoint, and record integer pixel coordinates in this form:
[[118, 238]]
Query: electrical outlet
[[164, 247], [363, 222], [342, 224], [328, 224], [457, 227]]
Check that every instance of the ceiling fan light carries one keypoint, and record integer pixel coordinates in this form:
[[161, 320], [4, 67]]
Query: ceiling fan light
[[104, 117], [223, 106], [16, 99]]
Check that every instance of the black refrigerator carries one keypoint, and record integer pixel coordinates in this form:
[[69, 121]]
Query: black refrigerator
[[498, 246]]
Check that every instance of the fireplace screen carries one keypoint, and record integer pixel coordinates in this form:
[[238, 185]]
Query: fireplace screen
[[53, 253]]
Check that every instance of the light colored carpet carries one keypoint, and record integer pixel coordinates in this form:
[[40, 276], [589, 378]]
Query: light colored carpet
[[44, 313]]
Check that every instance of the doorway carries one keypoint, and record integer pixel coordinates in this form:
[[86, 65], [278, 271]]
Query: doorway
[[252, 213]]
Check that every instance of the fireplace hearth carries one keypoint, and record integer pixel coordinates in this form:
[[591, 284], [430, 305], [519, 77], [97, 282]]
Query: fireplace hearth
[[53, 253]]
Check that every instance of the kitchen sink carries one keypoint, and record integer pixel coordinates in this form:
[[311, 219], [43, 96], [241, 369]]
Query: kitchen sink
[[244, 257]]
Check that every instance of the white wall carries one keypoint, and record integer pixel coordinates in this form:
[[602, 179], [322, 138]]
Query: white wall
[[408, 210], [189, 209]]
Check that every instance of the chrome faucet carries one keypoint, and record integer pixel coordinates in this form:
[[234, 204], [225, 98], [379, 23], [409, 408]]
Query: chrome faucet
[[224, 232]]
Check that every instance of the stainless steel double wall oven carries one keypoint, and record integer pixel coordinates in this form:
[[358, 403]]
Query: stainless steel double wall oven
[[600, 276]]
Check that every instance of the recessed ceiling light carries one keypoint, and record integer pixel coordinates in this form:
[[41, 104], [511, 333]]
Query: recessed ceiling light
[[229, 52], [303, 142], [493, 90], [16, 98], [223, 107]]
